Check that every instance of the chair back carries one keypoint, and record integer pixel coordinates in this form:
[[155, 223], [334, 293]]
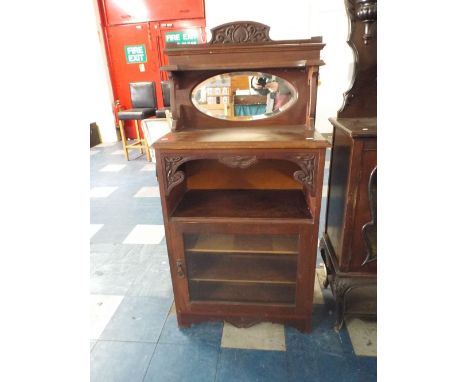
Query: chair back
[[142, 95], [166, 92]]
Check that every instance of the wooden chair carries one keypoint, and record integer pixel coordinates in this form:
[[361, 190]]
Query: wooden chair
[[143, 106]]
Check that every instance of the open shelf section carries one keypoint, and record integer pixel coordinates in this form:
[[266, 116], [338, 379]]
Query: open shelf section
[[241, 244], [273, 204], [257, 269], [242, 292]]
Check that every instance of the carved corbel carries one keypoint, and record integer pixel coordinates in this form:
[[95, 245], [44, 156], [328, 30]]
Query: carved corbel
[[307, 173], [173, 176]]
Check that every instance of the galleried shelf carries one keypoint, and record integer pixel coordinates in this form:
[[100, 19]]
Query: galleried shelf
[[241, 187]]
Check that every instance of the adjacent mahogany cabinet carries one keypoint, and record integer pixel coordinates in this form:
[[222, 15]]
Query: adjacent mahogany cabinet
[[349, 244], [240, 177]]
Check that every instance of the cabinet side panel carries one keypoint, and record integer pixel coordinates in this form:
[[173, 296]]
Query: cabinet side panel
[[362, 214], [338, 187]]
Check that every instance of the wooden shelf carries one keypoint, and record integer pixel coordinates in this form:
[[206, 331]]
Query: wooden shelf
[[241, 244], [267, 204], [257, 269], [236, 292]]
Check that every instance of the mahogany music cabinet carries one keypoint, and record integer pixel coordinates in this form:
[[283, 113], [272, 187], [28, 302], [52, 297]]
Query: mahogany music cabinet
[[240, 177]]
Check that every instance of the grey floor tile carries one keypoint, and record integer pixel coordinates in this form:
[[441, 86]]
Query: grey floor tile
[[113, 278], [195, 362], [113, 361], [138, 319], [208, 332], [251, 366], [155, 280]]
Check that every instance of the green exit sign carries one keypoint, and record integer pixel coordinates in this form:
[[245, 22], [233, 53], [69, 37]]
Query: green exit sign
[[135, 54], [187, 37]]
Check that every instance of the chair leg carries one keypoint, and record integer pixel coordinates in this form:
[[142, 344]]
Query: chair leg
[[148, 157], [124, 139], [137, 127]]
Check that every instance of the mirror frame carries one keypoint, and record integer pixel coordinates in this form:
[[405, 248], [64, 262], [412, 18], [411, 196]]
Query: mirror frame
[[280, 110]]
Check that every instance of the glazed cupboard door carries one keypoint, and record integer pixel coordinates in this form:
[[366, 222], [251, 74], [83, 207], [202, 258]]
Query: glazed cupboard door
[[242, 264]]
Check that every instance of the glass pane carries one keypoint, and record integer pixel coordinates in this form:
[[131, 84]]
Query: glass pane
[[244, 96], [242, 268]]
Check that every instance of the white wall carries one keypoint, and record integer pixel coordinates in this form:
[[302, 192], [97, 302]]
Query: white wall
[[299, 19], [100, 97]]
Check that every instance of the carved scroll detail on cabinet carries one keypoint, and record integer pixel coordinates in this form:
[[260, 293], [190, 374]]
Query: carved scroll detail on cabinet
[[173, 177], [238, 161], [306, 174], [240, 32]]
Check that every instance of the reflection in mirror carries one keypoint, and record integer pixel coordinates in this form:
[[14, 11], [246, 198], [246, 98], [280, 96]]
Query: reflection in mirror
[[243, 96]]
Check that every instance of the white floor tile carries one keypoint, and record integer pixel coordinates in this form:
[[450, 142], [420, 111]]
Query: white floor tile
[[324, 191], [318, 296], [117, 152], [102, 308], [363, 336], [93, 228], [93, 152], [101, 192], [148, 192], [263, 336], [145, 234], [113, 168], [149, 167]]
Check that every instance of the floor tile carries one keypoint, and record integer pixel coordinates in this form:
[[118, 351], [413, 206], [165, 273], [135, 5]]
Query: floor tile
[[94, 152], [148, 192], [149, 167], [336, 367], [263, 336], [101, 192], [107, 144], [302, 366], [322, 336], [102, 308], [113, 168], [145, 234], [114, 278], [207, 332], [324, 191], [91, 344], [94, 228], [113, 361], [173, 309], [155, 280], [367, 369], [195, 362], [318, 296], [251, 365], [117, 152], [363, 334], [138, 319]]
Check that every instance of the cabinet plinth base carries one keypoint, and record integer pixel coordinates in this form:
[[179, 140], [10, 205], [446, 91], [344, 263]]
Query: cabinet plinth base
[[187, 319], [344, 283]]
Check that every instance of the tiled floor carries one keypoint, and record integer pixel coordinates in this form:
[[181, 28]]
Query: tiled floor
[[134, 334]]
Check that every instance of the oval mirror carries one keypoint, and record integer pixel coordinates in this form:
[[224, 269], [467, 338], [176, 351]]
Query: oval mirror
[[243, 96]]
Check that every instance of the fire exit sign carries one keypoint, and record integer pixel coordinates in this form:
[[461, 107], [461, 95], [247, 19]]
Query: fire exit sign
[[135, 54], [187, 37]]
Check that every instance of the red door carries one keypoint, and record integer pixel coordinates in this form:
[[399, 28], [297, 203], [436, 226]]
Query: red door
[[137, 11], [188, 31], [127, 67]]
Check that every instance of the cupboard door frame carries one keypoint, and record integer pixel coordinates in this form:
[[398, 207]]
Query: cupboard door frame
[[304, 274]]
